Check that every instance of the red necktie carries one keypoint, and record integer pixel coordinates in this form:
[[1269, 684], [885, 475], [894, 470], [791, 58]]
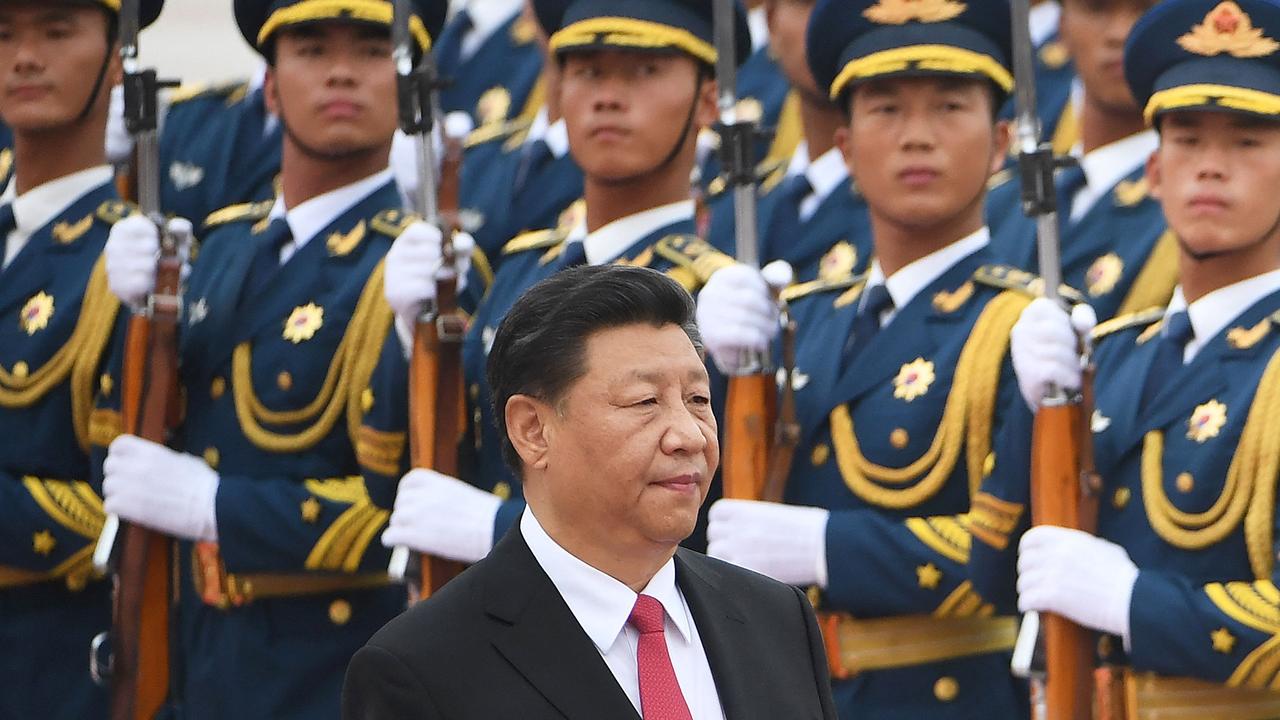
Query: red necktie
[[660, 696]]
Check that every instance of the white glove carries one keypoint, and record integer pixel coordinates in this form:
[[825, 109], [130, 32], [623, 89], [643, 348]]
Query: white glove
[[149, 484], [119, 143], [1044, 346], [410, 280], [442, 516], [1083, 578], [131, 252], [737, 313], [786, 542], [404, 151]]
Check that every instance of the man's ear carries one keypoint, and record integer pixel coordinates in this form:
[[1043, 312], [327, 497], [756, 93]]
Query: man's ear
[[708, 108], [270, 92], [1002, 136], [843, 141], [528, 421], [1154, 177]]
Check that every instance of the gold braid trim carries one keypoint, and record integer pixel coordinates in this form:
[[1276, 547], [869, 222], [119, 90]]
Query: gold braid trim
[[104, 426], [353, 364], [344, 543], [78, 358], [1249, 491], [966, 420], [963, 602], [1259, 669], [1154, 285], [346, 490], [73, 505], [1255, 604], [946, 536], [76, 570]]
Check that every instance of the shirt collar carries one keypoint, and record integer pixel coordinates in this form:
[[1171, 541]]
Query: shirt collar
[[488, 15], [599, 602], [609, 242], [1212, 313], [1043, 20], [1111, 163], [40, 205], [758, 23], [554, 134], [827, 172], [908, 282], [309, 218]]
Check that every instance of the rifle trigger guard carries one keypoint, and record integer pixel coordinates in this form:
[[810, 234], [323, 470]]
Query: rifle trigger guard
[[100, 664]]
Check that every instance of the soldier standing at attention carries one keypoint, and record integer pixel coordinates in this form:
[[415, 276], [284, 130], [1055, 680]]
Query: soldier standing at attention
[[637, 84], [58, 61], [295, 386], [1181, 573]]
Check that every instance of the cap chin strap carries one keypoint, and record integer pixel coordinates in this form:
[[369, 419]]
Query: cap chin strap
[[675, 151], [97, 86]]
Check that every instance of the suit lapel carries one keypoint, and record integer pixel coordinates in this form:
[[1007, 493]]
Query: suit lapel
[[724, 633], [536, 632]]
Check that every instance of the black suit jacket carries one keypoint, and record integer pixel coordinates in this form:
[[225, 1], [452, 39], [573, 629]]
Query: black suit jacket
[[499, 643]]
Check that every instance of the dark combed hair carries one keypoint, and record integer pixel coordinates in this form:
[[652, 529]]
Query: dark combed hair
[[539, 349]]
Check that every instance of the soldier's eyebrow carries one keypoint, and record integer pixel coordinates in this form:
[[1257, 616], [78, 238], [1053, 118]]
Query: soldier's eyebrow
[[1252, 122]]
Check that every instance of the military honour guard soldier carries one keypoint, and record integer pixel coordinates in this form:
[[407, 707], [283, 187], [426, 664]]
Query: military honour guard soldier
[[1114, 246], [637, 85], [489, 53], [295, 385], [58, 62], [900, 374], [1182, 572]]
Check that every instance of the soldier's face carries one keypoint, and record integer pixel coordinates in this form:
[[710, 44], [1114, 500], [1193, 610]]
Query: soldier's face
[[625, 111], [1094, 32], [334, 84], [1215, 175], [921, 149], [50, 57], [631, 447], [788, 21]]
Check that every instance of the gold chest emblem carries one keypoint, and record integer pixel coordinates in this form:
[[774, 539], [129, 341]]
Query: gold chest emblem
[[303, 323], [900, 12], [1103, 274], [36, 313], [913, 379], [1227, 29], [1206, 421]]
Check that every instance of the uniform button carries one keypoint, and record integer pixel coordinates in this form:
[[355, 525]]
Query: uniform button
[[502, 490], [366, 399], [339, 612], [284, 381], [821, 452], [946, 689], [217, 388], [1120, 498], [20, 370], [899, 438], [1185, 482], [211, 457]]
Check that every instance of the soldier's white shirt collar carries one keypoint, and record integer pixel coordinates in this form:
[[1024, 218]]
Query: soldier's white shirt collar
[[41, 204], [486, 17], [911, 280], [1212, 313], [825, 173], [1106, 166], [554, 134], [758, 23], [1043, 21], [309, 218], [609, 242]]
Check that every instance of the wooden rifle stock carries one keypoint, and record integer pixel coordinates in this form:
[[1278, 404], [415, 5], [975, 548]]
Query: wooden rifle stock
[[749, 411], [140, 679]]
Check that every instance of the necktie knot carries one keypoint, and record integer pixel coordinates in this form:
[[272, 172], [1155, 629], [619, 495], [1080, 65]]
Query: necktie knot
[[1177, 328], [647, 616], [1071, 178], [574, 254], [876, 300], [8, 222], [797, 187]]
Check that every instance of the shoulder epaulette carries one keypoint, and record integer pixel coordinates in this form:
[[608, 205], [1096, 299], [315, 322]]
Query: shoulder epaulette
[[239, 213], [1006, 277], [6, 164], [768, 173], [1000, 178], [693, 253], [500, 130], [1126, 322], [813, 287], [113, 211], [533, 240], [231, 91], [392, 222]]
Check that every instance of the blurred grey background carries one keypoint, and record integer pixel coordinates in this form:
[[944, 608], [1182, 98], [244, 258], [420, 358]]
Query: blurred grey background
[[197, 41]]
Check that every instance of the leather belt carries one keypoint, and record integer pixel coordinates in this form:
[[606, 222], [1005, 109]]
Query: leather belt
[[858, 645], [221, 589], [1153, 697]]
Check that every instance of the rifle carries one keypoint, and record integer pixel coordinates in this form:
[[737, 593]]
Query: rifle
[[139, 667], [1063, 481], [436, 402]]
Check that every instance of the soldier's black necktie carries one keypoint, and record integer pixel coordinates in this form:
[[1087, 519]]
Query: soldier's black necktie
[[1171, 343], [875, 302], [266, 258], [574, 254], [784, 225], [532, 158], [8, 223], [1067, 183]]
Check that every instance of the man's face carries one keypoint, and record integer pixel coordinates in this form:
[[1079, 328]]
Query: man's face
[[1215, 174], [50, 57], [334, 84], [625, 111], [1094, 32], [632, 445], [788, 20], [922, 149]]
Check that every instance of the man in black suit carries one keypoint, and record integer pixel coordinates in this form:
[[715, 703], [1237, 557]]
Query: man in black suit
[[589, 609]]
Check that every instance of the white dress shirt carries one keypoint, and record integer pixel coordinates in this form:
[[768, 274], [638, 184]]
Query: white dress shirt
[[601, 604], [1043, 21], [1108, 165], [758, 23], [609, 242], [40, 205], [825, 174], [908, 282], [1213, 312], [308, 219], [554, 134], [486, 17]]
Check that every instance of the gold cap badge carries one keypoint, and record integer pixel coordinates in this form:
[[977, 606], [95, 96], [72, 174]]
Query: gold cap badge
[[1227, 29], [900, 12]]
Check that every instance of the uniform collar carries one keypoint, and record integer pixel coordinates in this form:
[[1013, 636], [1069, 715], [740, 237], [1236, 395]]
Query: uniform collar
[[554, 134], [609, 242], [600, 603], [40, 205], [758, 23], [1111, 163], [1215, 311], [911, 280], [1043, 20], [486, 17], [309, 218]]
